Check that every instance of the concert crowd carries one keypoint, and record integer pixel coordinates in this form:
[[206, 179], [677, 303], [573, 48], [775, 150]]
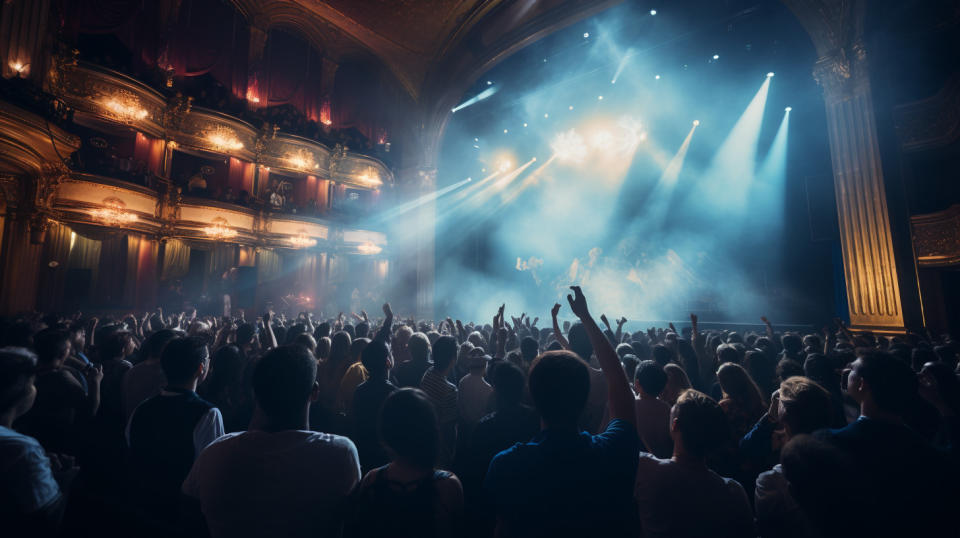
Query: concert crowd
[[172, 424]]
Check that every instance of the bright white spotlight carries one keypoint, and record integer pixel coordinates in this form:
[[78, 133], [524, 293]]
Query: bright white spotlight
[[696, 123], [476, 139], [599, 98], [569, 147], [770, 74], [524, 124], [614, 81], [546, 115], [716, 56], [505, 131], [505, 165], [788, 109], [653, 12], [570, 107], [586, 35], [601, 140], [489, 83], [657, 77]]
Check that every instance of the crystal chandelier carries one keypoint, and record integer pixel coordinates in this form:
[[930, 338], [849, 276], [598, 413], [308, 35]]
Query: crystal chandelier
[[302, 240], [220, 229], [369, 248], [113, 213]]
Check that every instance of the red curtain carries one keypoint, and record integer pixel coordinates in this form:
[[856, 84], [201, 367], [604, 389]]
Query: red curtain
[[294, 73]]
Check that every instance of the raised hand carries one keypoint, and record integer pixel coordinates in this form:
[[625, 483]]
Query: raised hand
[[94, 374], [621, 322], [693, 320], [765, 320], [555, 310], [578, 303], [603, 318], [672, 328]]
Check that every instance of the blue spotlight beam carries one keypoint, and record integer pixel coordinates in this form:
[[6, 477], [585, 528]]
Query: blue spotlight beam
[[476, 99], [732, 169], [413, 204]]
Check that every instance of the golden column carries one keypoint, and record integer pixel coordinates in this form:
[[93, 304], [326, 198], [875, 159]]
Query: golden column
[[873, 288]]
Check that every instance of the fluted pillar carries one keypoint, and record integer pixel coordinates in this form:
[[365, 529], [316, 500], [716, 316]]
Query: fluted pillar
[[873, 291], [873, 284]]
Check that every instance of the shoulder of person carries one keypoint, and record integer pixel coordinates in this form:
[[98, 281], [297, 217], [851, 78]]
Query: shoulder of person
[[449, 486]]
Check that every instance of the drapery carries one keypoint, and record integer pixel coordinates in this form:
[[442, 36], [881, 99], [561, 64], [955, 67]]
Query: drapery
[[268, 265], [176, 260], [140, 284], [222, 257], [54, 267], [108, 268], [307, 273]]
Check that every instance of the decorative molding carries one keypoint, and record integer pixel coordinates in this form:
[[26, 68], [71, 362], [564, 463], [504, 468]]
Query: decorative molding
[[930, 123], [936, 238]]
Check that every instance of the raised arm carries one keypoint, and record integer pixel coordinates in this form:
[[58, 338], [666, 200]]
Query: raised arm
[[621, 398], [619, 334], [268, 327], [770, 335], [386, 330], [557, 333]]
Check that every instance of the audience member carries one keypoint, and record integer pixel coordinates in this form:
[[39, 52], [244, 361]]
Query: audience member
[[278, 478], [408, 496]]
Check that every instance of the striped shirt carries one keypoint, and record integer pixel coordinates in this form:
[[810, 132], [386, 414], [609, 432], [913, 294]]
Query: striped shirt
[[442, 393]]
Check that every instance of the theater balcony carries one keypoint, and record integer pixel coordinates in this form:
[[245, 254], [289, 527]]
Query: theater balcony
[[138, 198]]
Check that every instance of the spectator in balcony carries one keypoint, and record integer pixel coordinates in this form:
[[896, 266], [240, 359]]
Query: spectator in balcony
[[197, 184], [230, 196]]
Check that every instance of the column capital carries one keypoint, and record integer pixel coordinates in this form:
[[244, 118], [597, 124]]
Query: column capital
[[843, 73]]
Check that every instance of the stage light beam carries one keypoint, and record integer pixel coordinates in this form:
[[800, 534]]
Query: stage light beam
[[485, 94]]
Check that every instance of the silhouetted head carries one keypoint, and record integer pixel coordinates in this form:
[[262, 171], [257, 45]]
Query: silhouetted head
[[284, 381], [184, 359], [580, 341], [559, 384], [408, 428], [699, 423]]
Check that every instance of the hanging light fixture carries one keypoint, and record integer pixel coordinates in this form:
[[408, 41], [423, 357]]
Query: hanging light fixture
[[369, 248], [302, 240], [113, 213], [220, 229]]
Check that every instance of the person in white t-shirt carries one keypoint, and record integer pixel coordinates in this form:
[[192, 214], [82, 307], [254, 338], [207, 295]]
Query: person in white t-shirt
[[278, 478], [681, 496]]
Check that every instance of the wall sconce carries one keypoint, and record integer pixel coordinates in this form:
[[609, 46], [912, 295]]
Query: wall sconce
[[220, 229], [113, 213], [20, 68]]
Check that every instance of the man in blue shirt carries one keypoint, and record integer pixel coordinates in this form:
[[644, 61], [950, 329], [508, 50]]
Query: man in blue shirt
[[567, 482]]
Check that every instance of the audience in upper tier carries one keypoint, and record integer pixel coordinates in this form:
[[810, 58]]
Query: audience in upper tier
[[178, 425]]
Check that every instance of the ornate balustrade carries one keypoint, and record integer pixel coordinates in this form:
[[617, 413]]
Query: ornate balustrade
[[98, 93], [92, 200], [936, 237]]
